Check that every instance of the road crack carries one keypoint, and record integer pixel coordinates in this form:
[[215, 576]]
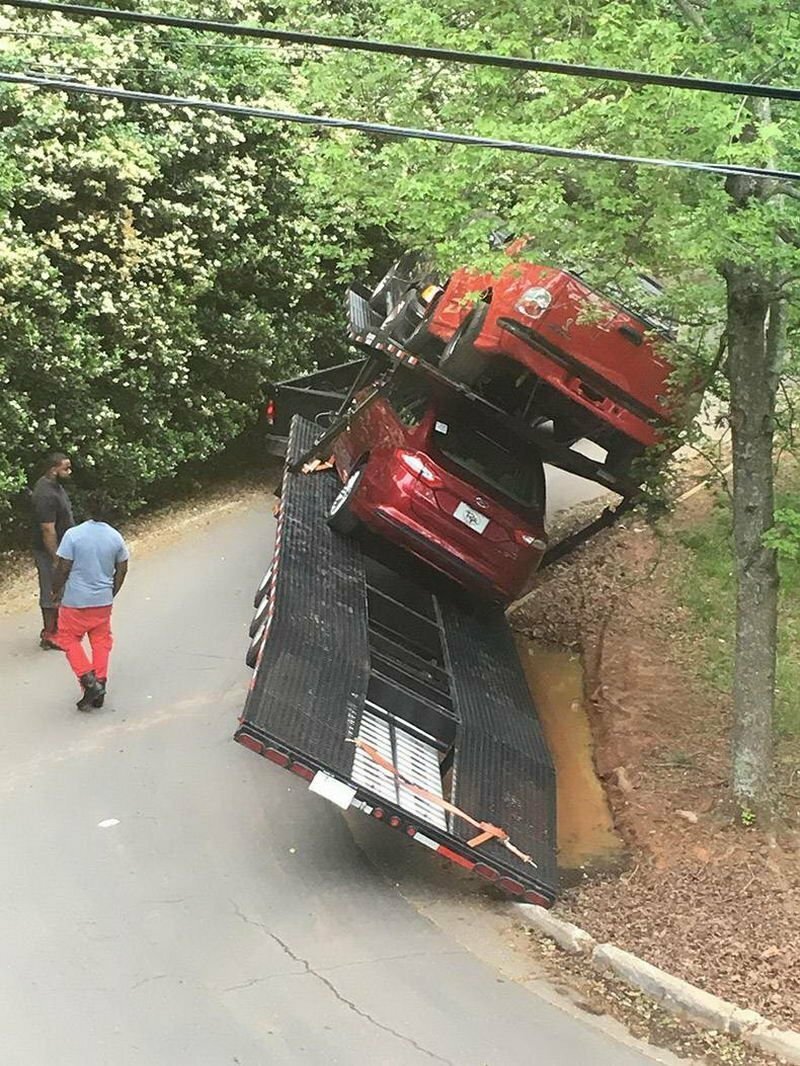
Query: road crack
[[307, 968]]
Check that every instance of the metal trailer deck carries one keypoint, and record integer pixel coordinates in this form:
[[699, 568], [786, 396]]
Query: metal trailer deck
[[391, 698]]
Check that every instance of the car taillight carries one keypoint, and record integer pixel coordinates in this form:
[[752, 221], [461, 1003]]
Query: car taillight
[[528, 540], [269, 412], [417, 465], [534, 302]]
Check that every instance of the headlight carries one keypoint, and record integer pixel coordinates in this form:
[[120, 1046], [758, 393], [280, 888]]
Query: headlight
[[534, 302]]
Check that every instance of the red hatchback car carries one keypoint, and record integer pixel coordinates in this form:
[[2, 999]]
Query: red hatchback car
[[463, 497]]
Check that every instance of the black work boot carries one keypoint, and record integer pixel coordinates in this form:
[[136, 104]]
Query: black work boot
[[98, 701], [92, 690]]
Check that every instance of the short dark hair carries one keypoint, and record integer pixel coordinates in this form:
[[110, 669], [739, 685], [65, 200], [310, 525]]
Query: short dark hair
[[99, 506], [53, 459]]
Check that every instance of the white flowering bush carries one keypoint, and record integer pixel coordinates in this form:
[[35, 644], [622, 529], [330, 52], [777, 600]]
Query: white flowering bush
[[157, 266]]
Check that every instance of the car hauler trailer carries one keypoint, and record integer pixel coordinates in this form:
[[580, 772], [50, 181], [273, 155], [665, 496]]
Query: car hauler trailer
[[392, 699], [384, 694]]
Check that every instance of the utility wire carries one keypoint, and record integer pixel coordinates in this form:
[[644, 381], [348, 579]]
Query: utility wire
[[383, 130], [772, 92]]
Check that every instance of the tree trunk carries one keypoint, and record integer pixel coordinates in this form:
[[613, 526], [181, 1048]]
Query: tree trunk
[[752, 383]]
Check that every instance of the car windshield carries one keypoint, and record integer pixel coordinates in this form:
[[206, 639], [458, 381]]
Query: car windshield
[[516, 474]]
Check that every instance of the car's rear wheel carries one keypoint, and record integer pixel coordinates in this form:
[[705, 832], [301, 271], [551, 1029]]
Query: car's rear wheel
[[622, 453], [461, 360], [340, 516]]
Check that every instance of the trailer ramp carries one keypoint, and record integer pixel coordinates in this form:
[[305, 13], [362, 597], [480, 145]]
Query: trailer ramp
[[388, 697]]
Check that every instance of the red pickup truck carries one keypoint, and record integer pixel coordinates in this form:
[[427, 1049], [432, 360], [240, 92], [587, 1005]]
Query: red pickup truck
[[590, 366]]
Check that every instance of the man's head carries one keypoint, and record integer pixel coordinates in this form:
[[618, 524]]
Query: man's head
[[98, 507], [58, 466]]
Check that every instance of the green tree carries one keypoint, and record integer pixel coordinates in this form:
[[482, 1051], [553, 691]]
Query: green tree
[[157, 267], [729, 250]]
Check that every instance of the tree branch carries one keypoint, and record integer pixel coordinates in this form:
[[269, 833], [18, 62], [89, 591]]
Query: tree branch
[[692, 15]]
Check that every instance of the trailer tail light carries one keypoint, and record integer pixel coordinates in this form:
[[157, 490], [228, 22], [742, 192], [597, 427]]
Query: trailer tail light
[[508, 884], [278, 757], [251, 743], [453, 856], [303, 771], [269, 412], [394, 821], [536, 899], [411, 830], [415, 462], [487, 872], [377, 813]]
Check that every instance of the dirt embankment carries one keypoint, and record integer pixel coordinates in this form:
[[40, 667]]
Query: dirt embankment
[[703, 898]]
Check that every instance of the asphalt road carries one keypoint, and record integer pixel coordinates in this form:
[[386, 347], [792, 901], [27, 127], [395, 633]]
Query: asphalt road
[[167, 898]]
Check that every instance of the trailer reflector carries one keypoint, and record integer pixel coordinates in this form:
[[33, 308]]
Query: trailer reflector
[[453, 856], [426, 841]]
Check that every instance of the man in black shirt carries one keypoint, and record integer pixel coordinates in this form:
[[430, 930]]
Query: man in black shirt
[[52, 517]]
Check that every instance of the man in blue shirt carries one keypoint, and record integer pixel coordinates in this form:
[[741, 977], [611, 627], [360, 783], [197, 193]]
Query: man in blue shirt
[[91, 566]]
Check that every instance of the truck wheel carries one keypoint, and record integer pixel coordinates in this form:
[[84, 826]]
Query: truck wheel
[[255, 645], [461, 360], [259, 617], [621, 453], [405, 317], [340, 517], [396, 278], [263, 589]]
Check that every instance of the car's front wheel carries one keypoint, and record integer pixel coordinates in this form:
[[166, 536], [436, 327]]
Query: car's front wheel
[[340, 516]]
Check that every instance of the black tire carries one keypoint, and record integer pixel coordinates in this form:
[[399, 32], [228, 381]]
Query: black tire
[[254, 649], [263, 589], [340, 517], [622, 452], [259, 617], [461, 360], [406, 315], [393, 282]]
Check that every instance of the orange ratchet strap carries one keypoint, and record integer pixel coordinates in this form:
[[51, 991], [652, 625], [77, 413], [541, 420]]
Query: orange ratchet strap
[[487, 830]]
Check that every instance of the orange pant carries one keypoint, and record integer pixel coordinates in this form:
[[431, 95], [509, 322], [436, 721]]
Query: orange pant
[[75, 623]]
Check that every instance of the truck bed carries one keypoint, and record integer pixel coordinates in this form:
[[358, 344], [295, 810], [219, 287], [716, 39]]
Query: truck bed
[[445, 731]]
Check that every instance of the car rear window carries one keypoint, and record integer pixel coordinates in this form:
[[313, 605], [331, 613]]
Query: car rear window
[[514, 472]]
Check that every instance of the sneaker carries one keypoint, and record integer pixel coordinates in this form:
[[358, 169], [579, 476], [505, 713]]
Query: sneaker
[[46, 643], [92, 690]]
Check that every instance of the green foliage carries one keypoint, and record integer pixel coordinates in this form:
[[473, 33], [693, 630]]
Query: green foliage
[[157, 267], [706, 590], [784, 537]]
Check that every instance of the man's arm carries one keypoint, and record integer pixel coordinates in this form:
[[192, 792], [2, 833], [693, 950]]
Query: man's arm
[[60, 575], [49, 538], [120, 573]]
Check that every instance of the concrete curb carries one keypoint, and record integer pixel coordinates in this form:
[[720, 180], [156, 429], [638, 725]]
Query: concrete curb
[[675, 995]]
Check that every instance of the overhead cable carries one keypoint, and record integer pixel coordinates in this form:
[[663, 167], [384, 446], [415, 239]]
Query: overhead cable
[[384, 130], [411, 51]]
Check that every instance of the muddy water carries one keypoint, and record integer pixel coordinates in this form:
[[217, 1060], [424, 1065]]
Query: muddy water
[[586, 837]]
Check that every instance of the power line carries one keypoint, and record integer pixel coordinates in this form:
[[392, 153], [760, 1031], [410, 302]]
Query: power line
[[383, 130], [676, 81]]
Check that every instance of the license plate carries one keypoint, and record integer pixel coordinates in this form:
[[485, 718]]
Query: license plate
[[474, 519]]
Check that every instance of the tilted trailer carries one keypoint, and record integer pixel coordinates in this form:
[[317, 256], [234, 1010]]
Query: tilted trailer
[[379, 686], [394, 700]]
